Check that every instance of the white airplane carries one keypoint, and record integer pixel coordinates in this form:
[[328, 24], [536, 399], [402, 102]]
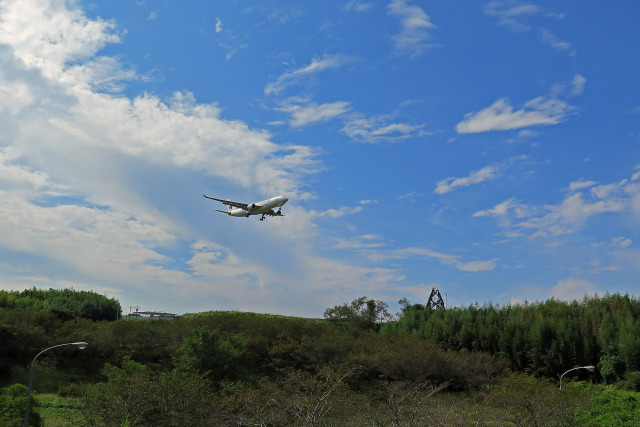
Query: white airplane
[[263, 208]]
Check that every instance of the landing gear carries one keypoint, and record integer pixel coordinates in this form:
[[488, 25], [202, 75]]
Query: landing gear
[[262, 217]]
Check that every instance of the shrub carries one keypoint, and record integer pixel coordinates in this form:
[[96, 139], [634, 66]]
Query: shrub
[[526, 400], [610, 407], [134, 395]]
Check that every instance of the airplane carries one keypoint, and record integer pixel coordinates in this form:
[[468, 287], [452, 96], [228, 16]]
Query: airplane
[[264, 208]]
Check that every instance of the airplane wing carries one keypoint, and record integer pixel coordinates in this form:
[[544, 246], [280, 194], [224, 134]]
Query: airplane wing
[[244, 206]]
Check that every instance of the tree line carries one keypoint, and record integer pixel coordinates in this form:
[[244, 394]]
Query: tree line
[[542, 338], [67, 304]]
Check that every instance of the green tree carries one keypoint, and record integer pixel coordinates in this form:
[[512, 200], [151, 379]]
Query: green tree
[[611, 368], [362, 312], [629, 343], [13, 402], [66, 303], [220, 355]]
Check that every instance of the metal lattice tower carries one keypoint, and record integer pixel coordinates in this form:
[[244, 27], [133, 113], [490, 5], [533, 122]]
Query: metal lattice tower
[[435, 299]]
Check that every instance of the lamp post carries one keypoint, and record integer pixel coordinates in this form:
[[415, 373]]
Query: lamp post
[[590, 368], [80, 345]]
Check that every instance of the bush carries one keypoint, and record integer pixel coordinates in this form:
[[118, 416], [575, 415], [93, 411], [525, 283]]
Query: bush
[[631, 382], [134, 395], [72, 390], [526, 400]]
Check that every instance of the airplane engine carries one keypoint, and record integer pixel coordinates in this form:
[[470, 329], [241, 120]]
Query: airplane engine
[[251, 207], [239, 212]]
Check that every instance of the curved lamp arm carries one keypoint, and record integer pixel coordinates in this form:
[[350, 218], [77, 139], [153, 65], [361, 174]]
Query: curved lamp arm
[[590, 368], [81, 345]]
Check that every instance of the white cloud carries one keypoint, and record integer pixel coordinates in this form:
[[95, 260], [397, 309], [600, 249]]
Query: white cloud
[[337, 213], [213, 260], [14, 175], [513, 14], [219, 26], [572, 213], [501, 115], [358, 6], [180, 133], [47, 35], [360, 128], [578, 84], [446, 259], [484, 174], [581, 184], [621, 242], [15, 96], [527, 134], [360, 243], [304, 113], [502, 209], [415, 23], [412, 195], [575, 208], [475, 266], [317, 65], [376, 129], [572, 289], [95, 242], [237, 277], [476, 177], [509, 12], [552, 40]]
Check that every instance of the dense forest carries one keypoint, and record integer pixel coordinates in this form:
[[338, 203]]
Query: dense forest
[[360, 366], [543, 338]]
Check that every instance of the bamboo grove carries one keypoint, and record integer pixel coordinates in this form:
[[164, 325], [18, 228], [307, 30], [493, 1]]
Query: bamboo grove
[[541, 338]]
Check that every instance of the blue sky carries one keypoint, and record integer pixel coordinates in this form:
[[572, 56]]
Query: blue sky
[[491, 149]]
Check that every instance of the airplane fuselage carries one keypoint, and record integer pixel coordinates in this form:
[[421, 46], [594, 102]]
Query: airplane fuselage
[[260, 208]]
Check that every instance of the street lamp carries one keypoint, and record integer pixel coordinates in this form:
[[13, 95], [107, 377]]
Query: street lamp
[[590, 368], [80, 345]]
